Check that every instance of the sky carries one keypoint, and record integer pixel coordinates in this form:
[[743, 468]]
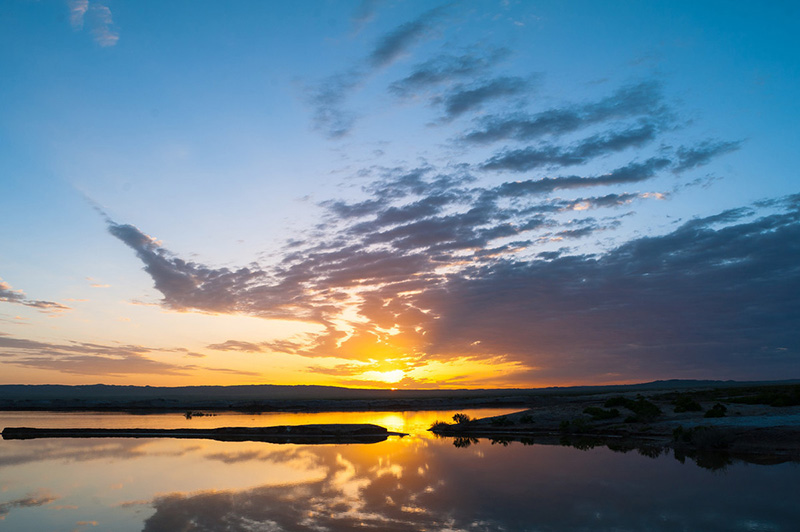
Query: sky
[[398, 193]]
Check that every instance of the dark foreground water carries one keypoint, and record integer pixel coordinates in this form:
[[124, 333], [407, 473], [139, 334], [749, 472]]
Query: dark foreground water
[[414, 483]]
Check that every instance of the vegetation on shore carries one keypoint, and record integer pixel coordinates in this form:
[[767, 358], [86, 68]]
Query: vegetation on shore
[[710, 426]]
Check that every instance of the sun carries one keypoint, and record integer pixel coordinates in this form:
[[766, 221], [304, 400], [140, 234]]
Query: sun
[[389, 377]]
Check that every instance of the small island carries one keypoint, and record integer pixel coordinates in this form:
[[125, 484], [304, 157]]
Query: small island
[[305, 434]]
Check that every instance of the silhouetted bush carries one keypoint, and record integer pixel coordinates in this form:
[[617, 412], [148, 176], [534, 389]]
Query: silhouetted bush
[[526, 418], [463, 442], [616, 401], [502, 422], [461, 418], [642, 409], [437, 425], [598, 413], [774, 396], [575, 425], [718, 410], [702, 437], [685, 403], [705, 445]]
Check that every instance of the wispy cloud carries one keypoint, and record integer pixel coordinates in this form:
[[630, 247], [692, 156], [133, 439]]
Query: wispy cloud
[[83, 358], [99, 17], [639, 100], [77, 11], [464, 99], [364, 14], [553, 156], [9, 295], [446, 69], [40, 498], [328, 96], [397, 42], [102, 25], [702, 154]]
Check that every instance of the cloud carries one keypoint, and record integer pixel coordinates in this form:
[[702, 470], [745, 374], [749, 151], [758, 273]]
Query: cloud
[[466, 99], [83, 358], [327, 98], [99, 17], [446, 68], [364, 14], [395, 43], [32, 500], [235, 345], [9, 295], [102, 23], [702, 154], [550, 156], [77, 11], [632, 173], [187, 284], [639, 100], [697, 302]]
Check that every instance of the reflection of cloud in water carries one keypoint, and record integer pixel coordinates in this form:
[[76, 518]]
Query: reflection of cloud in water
[[40, 498], [431, 485], [82, 450]]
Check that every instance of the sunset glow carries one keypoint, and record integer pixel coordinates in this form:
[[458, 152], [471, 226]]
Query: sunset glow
[[398, 194]]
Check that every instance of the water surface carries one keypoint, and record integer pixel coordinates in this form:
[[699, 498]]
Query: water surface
[[418, 482]]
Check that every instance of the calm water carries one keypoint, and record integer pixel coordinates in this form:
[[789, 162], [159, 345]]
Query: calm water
[[414, 483]]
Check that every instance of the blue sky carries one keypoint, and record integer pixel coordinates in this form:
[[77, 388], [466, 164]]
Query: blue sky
[[398, 193]]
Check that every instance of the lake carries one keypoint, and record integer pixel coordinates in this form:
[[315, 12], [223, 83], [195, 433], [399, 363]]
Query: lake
[[417, 482]]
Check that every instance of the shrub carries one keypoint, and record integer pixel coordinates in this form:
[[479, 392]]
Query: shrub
[[718, 410], [600, 414], [684, 403], [642, 409], [461, 418], [702, 437], [502, 422], [438, 425], [527, 418], [616, 401], [575, 425], [774, 396]]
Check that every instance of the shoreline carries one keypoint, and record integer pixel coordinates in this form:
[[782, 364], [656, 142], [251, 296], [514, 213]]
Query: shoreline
[[756, 425]]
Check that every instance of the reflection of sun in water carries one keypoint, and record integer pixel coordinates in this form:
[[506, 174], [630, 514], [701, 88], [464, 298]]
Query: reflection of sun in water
[[392, 421], [390, 377]]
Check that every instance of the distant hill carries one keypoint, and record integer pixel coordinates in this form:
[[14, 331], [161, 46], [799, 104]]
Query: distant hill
[[302, 398]]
